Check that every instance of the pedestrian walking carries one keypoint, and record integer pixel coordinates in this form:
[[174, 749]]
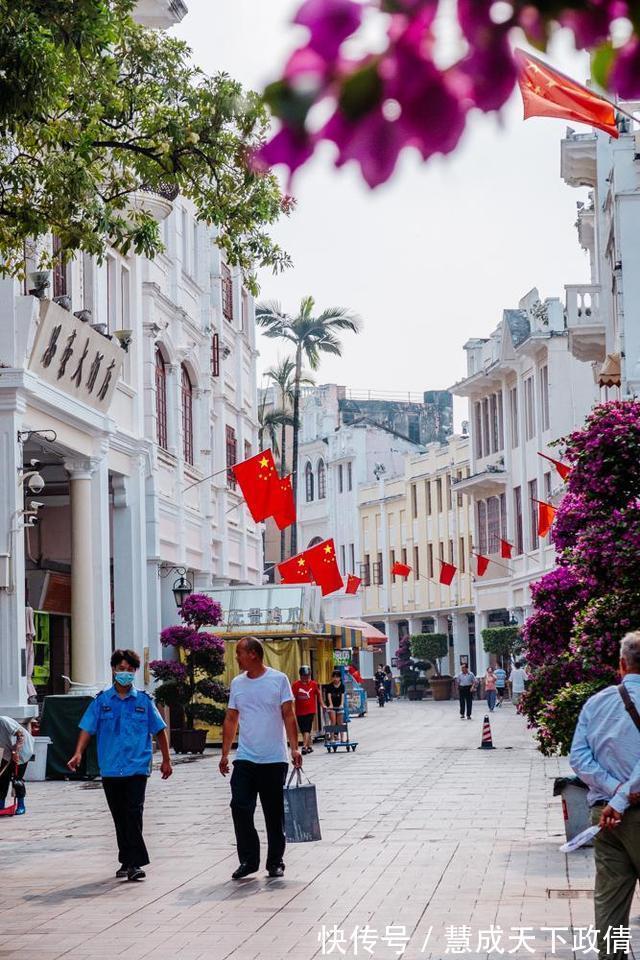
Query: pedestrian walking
[[306, 693], [333, 702], [123, 719], [605, 754], [466, 686], [501, 684], [16, 749], [490, 688], [388, 684], [518, 678], [261, 701]]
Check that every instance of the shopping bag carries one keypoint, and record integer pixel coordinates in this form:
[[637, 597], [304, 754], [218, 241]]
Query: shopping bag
[[10, 809], [301, 821]]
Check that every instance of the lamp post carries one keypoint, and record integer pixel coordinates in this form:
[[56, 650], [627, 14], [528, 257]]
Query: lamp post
[[182, 589]]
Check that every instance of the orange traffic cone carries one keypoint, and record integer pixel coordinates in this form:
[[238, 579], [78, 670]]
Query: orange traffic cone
[[487, 742]]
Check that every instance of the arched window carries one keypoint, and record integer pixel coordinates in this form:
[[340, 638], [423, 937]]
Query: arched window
[[308, 481], [314, 542], [322, 480], [187, 416], [161, 400]]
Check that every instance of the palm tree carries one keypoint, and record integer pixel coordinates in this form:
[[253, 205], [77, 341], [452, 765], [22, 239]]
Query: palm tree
[[311, 337], [269, 421], [282, 376]]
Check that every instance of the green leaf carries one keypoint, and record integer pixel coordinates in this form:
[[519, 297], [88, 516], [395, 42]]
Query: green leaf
[[602, 60]]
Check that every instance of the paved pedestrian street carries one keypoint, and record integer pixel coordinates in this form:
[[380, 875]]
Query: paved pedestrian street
[[428, 843]]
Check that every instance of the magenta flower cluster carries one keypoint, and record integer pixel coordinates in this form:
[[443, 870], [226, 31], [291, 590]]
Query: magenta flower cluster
[[201, 610], [401, 96], [584, 606], [168, 670]]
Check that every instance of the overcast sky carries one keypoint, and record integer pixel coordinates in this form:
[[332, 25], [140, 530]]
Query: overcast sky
[[431, 258]]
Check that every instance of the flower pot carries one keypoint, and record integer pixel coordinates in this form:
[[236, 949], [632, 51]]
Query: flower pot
[[188, 741], [440, 688], [415, 694]]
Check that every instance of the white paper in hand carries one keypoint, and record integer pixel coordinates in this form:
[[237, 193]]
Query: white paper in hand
[[579, 840]]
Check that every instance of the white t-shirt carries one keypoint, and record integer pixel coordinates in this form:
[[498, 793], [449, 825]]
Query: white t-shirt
[[9, 728], [259, 702], [518, 677]]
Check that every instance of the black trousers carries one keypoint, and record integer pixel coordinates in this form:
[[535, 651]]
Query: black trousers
[[125, 796], [466, 700], [5, 777], [248, 782]]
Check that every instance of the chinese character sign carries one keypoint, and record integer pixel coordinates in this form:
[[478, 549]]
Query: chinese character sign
[[73, 357]]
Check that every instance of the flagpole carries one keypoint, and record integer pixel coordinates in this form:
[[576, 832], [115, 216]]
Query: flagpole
[[491, 560], [593, 93], [210, 477]]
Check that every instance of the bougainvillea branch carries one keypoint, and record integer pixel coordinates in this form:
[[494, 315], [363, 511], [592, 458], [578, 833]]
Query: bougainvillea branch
[[400, 96]]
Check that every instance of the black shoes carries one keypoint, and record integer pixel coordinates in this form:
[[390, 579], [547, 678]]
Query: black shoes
[[135, 873], [122, 872], [276, 871], [244, 870]]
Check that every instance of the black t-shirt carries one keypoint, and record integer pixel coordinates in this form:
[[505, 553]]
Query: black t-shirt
[[380, 676], [334, 694]]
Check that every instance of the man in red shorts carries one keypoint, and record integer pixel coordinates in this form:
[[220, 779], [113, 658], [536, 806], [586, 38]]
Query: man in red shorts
[[307, 696]]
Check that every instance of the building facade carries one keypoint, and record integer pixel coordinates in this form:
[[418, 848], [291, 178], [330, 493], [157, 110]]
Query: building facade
[[416, 519], [525, 390], [126, 393], [603, 316]]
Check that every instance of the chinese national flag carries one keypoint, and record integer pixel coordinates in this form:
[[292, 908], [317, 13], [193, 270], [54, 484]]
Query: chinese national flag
[[321, 560], [447, 573], [546, 93], [546, 513], [562, 468], [255, 477], [295, 570], [483, 563], [283, 507], [505, 549], [353, 584], [400, 570]]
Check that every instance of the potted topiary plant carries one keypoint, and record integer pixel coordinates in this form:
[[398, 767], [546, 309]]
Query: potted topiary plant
[[188, 684], [408, 670], [433, 647]]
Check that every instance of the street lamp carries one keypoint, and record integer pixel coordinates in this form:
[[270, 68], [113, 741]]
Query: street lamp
[[182, 589]]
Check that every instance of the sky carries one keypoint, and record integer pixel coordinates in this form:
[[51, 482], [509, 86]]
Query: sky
[[431, 258]]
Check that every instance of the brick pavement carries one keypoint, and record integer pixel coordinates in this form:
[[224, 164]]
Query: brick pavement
[[421, 830]]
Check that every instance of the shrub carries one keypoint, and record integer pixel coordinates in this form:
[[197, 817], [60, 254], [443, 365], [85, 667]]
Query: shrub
[[502, 642], [430, 646]]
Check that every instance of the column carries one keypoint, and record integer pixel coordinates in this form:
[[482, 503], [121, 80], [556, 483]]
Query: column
[[482, 622], [13, 684], [90, 570], [460, 639], [131, 622]]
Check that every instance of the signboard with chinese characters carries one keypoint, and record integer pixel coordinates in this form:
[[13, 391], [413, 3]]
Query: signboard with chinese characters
[[270, 609], [75, 358], [342, 657]]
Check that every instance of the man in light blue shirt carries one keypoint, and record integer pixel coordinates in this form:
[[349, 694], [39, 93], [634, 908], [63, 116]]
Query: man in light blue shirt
[[605, 754], [123, 720], [501, 683]]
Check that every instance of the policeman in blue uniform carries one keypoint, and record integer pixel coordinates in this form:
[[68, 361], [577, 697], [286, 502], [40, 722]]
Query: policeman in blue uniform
[[123, 720]]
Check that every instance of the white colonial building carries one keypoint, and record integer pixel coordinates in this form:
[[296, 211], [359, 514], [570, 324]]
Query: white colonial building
[[525, 390], [603, 316], [124, 399]]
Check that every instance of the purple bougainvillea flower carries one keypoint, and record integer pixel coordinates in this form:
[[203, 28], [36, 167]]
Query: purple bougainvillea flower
[[303, 64], [625, 76], [198, 608], [590, 27], [289, 147], [329, 22], [372, 140], [175, 636]]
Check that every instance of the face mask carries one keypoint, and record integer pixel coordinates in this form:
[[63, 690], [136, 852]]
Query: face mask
[[124, 678]]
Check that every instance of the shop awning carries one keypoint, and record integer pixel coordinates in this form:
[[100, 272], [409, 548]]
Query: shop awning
[[369, 634], [345, 634]]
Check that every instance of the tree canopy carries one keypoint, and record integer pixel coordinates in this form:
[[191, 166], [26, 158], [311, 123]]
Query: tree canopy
[[94, 108]]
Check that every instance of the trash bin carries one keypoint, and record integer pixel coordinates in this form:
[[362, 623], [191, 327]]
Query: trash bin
[[575, 808], [37, 769]]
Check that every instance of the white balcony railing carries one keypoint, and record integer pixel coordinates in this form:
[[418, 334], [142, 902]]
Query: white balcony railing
[[585, 322]]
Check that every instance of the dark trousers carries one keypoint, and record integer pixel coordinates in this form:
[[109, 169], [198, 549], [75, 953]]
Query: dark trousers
[[5, 777], [466, 700], [248, 782], [387, 690], [125, 796]]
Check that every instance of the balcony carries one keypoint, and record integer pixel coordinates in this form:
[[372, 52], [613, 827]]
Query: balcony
[[488, 482], [159, 14], [578, 159], [585, 323]]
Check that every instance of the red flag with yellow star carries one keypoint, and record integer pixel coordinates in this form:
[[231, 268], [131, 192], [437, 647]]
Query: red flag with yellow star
[[547, 93], [255, 477], [295, 570], [322, 563], [283, 506]]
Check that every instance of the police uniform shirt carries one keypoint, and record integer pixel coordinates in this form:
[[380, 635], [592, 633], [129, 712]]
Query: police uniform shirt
[[123, 727]]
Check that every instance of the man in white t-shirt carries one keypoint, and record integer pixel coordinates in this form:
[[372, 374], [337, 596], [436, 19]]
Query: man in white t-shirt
[[262, 703], [518, 678]]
